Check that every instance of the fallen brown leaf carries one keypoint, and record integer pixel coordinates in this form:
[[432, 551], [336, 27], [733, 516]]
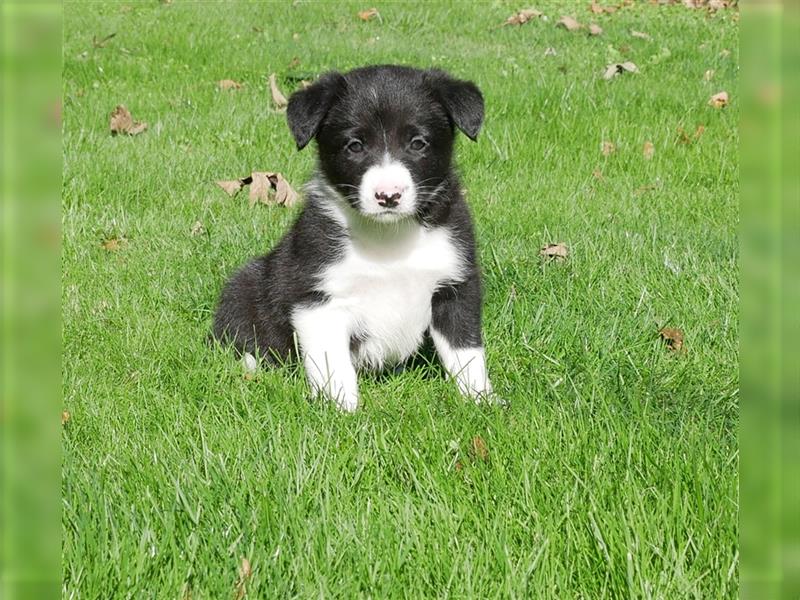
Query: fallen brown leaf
[[685, 138], [277, 97], [709, 75], [284, 194], [597, 9], [719, 100], [550, 52], [244, 574], [231, 187], [479, 449], [644, 189], [595, 29], [101, 43], [568, 23], [294, 63], [229, 84], [65, 416], [615, 69], [370, 13], [648, 150], [597, 174], [557, 251], [523, 16], [640, 34], [113, 244], [673, 338], [271, 187], [607, 148], [197, 228], [122, 122]]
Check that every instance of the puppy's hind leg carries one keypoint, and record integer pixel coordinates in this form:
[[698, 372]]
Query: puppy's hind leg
[[324, 338]]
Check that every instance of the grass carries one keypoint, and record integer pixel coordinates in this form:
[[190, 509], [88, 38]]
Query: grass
[[613, 473]]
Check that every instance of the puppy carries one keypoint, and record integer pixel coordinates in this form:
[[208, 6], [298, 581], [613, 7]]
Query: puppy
[[383, 251]]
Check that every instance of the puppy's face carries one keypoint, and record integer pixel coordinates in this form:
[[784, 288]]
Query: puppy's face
[[385, 134]]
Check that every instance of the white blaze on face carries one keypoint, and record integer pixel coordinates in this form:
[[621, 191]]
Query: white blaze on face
[[387, 192]]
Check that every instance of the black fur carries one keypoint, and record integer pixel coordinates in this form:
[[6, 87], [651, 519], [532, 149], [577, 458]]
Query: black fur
[[385, 106]]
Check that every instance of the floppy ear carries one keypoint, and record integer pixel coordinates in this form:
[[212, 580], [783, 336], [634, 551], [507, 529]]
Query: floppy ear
[[462, 100], [308, 107]]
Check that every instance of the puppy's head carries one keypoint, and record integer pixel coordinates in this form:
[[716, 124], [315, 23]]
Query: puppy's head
[[385, 134]]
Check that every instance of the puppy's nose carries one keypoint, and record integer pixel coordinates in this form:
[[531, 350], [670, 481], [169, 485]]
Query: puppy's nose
[[389, 196]]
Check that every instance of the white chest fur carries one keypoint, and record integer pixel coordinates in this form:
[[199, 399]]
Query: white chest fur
[[382, 289]]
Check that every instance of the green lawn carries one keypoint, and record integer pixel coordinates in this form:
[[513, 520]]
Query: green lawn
[[613, 472]]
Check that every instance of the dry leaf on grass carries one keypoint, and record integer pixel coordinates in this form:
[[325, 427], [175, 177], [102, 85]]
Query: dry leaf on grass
[[568, 23], [65, 416], [557, 251], [277, 97], [550, 52], [265, 186], [648, 150], [607, 148], [595, 29], [113, 244], [523, 16], [685, 138], [122, 122], [597, 9], [640, 34], [271, 187], [615, 69], [244, 574], [229, 84], [711, 5], [719, 100], [101, 43], [479, 449], [709, 75], [231, 187], [197, 228], [673, 337], [597, 174], [370, 13], [643, 189]]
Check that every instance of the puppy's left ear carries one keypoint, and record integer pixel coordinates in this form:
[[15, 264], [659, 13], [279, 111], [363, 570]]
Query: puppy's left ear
[[462, 100], [307, 108]]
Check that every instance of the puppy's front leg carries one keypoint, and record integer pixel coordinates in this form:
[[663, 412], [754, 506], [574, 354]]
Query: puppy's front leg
[[456, 333], [324, 338]]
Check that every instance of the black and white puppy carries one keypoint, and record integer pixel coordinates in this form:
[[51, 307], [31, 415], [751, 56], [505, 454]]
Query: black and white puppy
[[383, 250]]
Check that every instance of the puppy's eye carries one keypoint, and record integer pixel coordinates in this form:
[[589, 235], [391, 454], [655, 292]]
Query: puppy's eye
[[417, 144], [355, 147]]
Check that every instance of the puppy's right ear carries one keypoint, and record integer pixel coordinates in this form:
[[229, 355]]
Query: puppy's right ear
[[308, 107]]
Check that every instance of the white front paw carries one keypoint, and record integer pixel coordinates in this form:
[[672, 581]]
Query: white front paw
[[347, 402], [490, 398]]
